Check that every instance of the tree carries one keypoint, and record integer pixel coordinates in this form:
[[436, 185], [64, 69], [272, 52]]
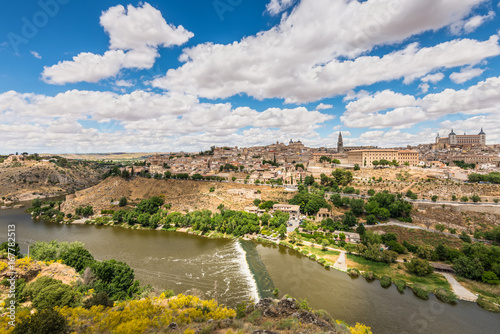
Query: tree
[[123, 201], [47, 321], [440, 227], [468, 268], [375, 163], [36, 203], [256, 202], [371, 220], [434, 198], [115, 278], [143, 219], [233, 178], [361, 229], [419, 267], [475, 198], [465, 237], [325, 243], [349, 219], [371, 192], [356, 167], [77, 257], [464, 199], [100, 298], [357, 206], [490, 278], [47, 292], [16, 250]]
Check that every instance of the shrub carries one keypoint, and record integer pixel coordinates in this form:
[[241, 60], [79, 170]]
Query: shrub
[[446, 296], [369, 275], [487, 305], [42, 322], [385, 281], [354, 273], [212, 189], [419, 267], [47, 292], [101, 298], [490, 278], [401, 285], [420, 291], [276, 291], [123, 201]]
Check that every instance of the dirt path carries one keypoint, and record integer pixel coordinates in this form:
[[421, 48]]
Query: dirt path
[[461, 292], [407, 188], [341, 263]]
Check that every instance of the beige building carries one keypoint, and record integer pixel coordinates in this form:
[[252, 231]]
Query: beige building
[[293, 210], [365, 158]]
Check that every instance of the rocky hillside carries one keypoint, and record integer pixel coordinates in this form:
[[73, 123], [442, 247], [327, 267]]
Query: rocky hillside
[[23, 181], [183, 195]]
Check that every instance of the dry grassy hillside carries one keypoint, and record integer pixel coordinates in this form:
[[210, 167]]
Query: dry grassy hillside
[[23, 181], [183, 195]]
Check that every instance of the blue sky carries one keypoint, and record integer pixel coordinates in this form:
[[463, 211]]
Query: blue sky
[[160, 76]]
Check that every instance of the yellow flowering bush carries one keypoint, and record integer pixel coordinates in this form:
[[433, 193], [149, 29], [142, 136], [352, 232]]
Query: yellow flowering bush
[[138, 316], [360, 329], [24, 263], [3, 265]]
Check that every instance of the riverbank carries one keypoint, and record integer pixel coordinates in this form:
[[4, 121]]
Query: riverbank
[[341, 259]]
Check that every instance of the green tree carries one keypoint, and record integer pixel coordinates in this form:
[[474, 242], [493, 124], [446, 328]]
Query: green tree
[[468, 268], [440, 227], [419, 267], [47, 321], [77, 257], [325, 243], [357, 206], [356, 167], [475, 198], [371, 220], [47, 292], [349, 219], [123, 201], [434, 198], [16, 250]]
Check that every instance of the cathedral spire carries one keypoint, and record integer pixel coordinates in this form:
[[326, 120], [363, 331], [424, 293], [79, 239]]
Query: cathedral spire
[[340, 144]]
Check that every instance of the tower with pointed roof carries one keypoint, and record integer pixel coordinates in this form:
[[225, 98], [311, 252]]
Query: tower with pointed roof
[[452, 138], [482, 137], [340, 144]]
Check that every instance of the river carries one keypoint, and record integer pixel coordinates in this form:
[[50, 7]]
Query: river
[[235, 270]]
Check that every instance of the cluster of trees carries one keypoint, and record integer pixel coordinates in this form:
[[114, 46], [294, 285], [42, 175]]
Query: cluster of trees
[[236, 223], [384, 162], [324, 158], [339, 177], [46, 210], [382, 205], [115, 279], [493, 177], [229, 167], [84, 211], [463, 165], [473, 261], [264, 205], [310, 203], [146, 213]]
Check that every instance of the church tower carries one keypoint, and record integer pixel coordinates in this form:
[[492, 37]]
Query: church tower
[[482, 138], [340, 144]]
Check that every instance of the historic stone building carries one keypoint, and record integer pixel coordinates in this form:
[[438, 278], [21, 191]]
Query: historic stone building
[[365, 158], [454, 140]]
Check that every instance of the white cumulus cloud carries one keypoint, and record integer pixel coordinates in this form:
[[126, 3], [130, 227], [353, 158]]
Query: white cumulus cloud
[[465, 74], [135, 35]]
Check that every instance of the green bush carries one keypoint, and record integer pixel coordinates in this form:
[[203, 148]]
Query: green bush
[[47, 321], [446, 296], [401, 285], [354, 273], [419, 267], [490, 278], [369, 275], [420, 291], [488, 305], [101, 298], [47, 292], [385, 281]]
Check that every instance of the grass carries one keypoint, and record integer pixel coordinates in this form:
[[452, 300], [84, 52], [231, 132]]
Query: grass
[[380, 269], [421, 237]]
